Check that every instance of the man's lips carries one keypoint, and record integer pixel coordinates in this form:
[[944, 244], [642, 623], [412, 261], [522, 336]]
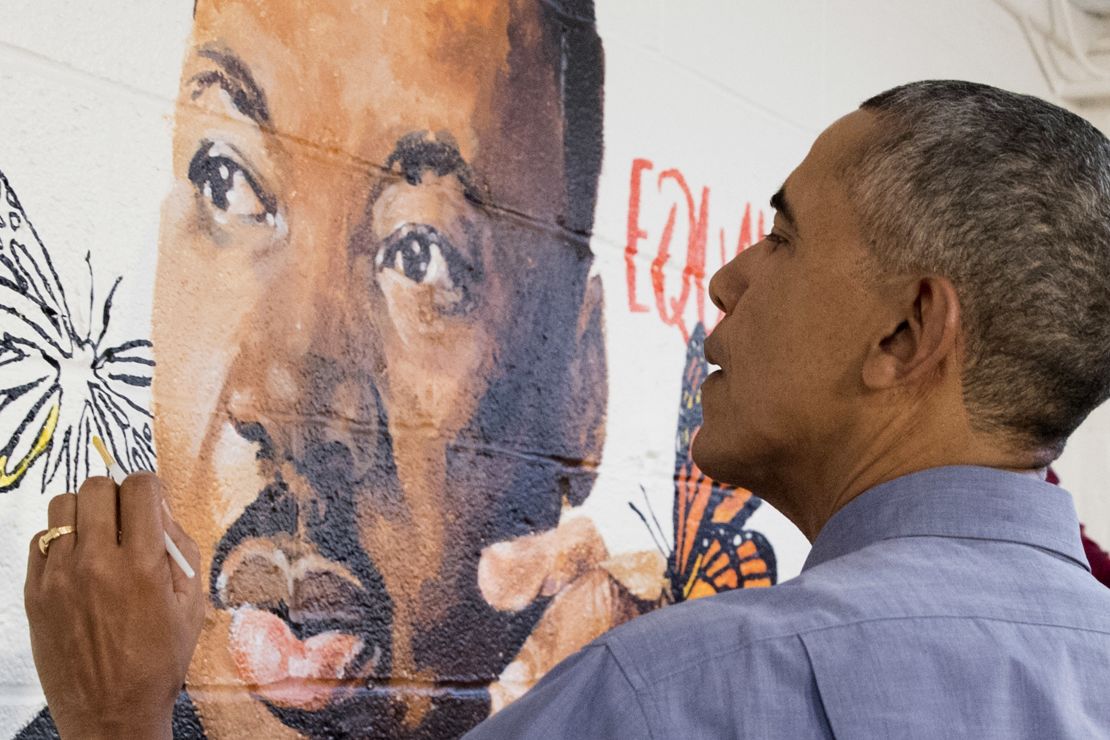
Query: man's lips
[[284, 669], [710, 353]]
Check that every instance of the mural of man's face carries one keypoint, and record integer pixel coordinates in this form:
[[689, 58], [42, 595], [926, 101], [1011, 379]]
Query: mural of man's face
[[377, 351]]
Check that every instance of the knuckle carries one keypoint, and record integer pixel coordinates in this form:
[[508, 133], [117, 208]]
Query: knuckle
[[146, 571], [61, 503], [94, 570], [98, 484], [141, 480], [187, 543], [54, 586], [34, 544], [35, 608]]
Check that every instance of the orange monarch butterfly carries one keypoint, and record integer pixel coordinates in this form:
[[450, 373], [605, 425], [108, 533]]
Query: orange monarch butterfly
[[712, 550]]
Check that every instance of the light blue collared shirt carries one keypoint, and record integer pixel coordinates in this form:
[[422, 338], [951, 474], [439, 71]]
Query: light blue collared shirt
[[953, 602]]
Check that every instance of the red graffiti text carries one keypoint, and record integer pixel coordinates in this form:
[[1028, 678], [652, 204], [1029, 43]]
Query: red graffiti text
[[669, 192]]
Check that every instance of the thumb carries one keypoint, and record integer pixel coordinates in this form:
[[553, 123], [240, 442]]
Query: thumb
[[187, 589]]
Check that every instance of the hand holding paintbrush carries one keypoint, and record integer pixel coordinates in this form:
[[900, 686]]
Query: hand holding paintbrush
[[113, 622], [115, 472]]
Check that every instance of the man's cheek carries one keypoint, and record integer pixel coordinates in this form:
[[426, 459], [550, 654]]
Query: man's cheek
[[198, 311]]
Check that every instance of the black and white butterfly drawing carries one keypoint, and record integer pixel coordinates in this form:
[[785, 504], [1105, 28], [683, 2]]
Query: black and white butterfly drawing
[[59, 384]]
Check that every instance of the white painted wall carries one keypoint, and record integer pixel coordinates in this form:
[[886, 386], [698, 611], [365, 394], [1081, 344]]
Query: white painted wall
[[730, 92]]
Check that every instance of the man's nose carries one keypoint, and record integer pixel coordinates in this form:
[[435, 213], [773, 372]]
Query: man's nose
[[728, 284]]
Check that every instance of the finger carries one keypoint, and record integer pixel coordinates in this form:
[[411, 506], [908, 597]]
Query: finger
[[578, 548], [97, 521], [515, 573], [140, 517], [185, 544], [579, 614], [511, 573], [643, 574], [36, 563], [62, 512], [188, 589]]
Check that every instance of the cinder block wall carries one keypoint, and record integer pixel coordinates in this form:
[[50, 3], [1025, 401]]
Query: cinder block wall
[[707, 106]]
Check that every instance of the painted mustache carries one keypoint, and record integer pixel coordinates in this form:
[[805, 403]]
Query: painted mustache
[[311, 628], [290, 602], [311, 615]]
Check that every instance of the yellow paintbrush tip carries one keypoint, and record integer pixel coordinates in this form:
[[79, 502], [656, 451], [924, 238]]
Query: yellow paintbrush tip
[[98, 443]]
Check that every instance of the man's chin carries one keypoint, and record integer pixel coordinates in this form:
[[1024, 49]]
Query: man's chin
[[707, 455], [717, 457]]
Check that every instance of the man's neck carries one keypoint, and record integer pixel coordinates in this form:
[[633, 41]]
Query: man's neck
[[811, 489]]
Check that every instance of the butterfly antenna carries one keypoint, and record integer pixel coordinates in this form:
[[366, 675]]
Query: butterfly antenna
[[92, 298], [649, 530], [651, 510]]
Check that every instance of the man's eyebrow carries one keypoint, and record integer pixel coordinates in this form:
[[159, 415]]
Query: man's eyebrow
[[418, 152], [234, 78], [780, 204]]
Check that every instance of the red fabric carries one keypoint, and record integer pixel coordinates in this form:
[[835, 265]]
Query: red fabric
[[1096, 556]]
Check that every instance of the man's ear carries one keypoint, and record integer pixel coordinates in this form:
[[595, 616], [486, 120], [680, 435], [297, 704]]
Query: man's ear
[[589, 382], [922, 335]]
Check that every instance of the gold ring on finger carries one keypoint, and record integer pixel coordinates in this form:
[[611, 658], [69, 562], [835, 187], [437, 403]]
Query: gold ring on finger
[[52, 534]]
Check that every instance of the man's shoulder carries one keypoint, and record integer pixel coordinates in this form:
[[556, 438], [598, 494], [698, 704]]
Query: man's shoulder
[[908, 627], [932, 580], [697, 633]]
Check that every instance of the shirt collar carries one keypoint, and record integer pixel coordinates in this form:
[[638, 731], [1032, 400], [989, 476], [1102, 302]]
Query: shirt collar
[[957, 501]]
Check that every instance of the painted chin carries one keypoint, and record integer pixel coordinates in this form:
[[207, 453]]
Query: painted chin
[[289, 672]]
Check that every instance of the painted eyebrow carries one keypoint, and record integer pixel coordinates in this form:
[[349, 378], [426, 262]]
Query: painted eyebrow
[[416, 153], [234, 78], [780, 204]]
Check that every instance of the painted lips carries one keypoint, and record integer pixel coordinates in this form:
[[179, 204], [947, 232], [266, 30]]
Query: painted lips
[[284, 669]]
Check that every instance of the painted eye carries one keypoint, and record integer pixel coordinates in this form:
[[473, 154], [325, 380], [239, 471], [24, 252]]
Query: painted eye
[[230, 189], [420, 253], [426, 256]]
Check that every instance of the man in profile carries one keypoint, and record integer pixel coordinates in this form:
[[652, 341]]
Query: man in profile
[[900, 360]]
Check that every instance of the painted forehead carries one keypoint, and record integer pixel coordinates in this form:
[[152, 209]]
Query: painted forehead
[[358, 81]]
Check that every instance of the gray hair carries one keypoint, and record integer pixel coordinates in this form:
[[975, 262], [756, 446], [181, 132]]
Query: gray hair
[[1009, 197]]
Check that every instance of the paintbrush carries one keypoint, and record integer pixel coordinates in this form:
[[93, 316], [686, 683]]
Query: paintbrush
[[115, 472]]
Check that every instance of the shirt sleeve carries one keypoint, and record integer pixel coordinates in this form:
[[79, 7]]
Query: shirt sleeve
[[587, 695]]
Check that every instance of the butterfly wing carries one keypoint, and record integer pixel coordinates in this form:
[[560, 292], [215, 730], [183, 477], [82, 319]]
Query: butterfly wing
[[35, 338], [692, 489], [729, 556], [713, 551], [27, 270], [123, 376]]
